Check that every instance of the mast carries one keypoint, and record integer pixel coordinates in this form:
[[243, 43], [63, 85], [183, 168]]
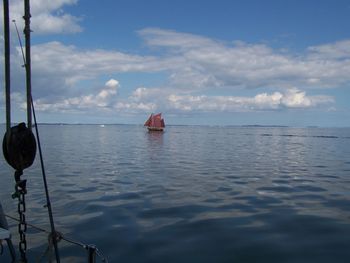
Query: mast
[[26, 32], [7, 64]]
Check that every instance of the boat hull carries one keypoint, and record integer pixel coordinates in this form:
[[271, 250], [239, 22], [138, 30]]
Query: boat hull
[[156, 129]]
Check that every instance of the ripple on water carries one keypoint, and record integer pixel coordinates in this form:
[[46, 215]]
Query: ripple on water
[[310, 188], [197, 194], [276, 189]]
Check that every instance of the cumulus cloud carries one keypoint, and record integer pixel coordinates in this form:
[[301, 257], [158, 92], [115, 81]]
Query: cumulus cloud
[[48, 17], [290, 99], [61, 67], [153, 99], [337, 50], [112, 84], [102, 100], [206, 62], [134, 107], [105, 100], [149, 94], [195, 66], [51, 24]]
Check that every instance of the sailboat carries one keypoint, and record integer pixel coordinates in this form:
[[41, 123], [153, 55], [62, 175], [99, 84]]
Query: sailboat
[[155, 122]]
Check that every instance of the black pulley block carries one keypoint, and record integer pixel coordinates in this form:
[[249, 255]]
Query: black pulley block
[[19, 147]]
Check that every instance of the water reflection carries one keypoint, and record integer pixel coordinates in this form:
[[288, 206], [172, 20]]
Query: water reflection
[[155, 137], [234, 194], [154, 148]]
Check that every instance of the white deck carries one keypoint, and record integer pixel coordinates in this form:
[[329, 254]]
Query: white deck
[[4, 234]]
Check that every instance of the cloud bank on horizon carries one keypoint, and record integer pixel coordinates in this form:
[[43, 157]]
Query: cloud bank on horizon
[[202, 74]]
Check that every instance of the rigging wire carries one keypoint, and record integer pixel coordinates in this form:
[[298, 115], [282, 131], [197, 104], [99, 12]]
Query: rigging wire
[[20, 42], [48, 202]]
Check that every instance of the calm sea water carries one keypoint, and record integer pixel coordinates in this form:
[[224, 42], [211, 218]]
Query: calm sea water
[[191, 194]]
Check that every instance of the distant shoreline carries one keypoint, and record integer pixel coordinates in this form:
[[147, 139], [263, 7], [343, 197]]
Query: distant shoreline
[[193, 125]]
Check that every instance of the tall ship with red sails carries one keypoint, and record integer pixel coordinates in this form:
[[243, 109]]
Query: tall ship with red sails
[[155, 122]]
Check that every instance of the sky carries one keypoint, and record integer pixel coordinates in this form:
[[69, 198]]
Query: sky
[[199, 62]]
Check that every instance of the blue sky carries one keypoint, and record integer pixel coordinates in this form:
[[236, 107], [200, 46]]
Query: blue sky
[[199, 62]]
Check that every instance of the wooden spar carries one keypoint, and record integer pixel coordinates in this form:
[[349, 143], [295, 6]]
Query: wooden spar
[[7, 64], [26, 32]]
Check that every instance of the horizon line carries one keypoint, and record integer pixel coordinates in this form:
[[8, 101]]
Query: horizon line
[[204, 125]]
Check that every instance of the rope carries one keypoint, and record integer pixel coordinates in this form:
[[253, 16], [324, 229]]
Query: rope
[[48, 202], [1, 248], [20, 42], [48, 251], [44, 254], [60, 237]]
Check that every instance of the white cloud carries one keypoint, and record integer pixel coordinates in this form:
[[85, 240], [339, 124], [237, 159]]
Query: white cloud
[[340, 49], [295, 99], [61, 67], [103, 100], [133, 107], [204, 63], [194, 65], [266, 101], [169, 38], [331, 109], [149, 94], [276, 101], [51, 24], [48, 17], [155, 99], [112, 83], [18, 101]]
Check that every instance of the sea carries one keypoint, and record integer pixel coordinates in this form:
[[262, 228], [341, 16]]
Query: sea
[[190, 194]]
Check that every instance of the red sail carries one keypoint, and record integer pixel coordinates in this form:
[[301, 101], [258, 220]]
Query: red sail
[[155, 120], [148, 122]]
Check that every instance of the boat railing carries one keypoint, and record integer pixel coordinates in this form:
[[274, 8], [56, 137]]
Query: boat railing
[[92, 251]]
